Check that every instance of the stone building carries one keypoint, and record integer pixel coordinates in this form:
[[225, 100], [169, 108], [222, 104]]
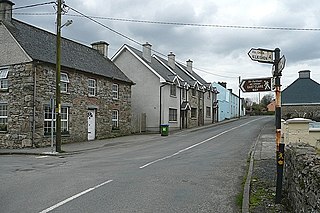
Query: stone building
[[95, 94], [301, 98]]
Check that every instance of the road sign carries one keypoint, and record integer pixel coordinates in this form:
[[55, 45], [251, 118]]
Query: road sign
[[256, 85], [261, 55], [281, 65]]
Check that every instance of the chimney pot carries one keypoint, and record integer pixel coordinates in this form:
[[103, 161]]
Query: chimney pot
[[171, 60], [189, 65], [6, 10], [146, 52], [101, 47]]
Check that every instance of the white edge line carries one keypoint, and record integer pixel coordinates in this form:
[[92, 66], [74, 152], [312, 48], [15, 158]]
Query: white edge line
[[197, 144], [74, 197]]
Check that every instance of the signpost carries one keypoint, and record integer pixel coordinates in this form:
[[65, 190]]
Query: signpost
[[261, 55], [256, 85], [253, 85]]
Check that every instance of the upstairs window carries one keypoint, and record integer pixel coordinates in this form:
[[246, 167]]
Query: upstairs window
[[173, 90], [64, 82], [194, 92], [184, 97], [115, 91], [4, 77], [3, 117], [92, 87], [208, 112], [193, 112]]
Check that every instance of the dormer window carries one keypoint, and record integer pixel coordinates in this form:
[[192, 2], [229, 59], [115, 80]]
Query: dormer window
[[64, 82], [4, 78]]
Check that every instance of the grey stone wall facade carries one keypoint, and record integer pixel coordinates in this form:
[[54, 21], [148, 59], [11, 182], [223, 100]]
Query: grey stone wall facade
[[301, 111], [26, 105], [302, 178]]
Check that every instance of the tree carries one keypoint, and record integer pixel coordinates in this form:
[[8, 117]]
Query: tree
[[267, 99]]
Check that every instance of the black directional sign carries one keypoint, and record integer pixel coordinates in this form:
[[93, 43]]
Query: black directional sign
[[261, 55], [256, 85]]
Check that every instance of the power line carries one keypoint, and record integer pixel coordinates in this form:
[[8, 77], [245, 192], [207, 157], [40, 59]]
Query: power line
[[32, 5], [186, 24]]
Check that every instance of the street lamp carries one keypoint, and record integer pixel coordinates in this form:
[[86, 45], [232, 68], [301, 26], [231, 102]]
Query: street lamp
[[58, 76]]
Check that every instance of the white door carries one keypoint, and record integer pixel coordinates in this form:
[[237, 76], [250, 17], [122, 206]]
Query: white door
[[91, 124]]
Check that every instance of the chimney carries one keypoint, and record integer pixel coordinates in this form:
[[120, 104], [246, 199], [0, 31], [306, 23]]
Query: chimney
[[101, 47], [146, 52], [171, 60], [189, 65], [6, 10], [304, 74], [224, 84]]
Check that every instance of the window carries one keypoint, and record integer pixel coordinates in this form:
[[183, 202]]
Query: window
[[173, 90], [115, 91], [4, 78], [92, 87], [173, 114], [209, 94], [193, 112], [194, 92], [64, 82], [115, 119], [48, 119], [183, 94], [3, 117], [208, 112]]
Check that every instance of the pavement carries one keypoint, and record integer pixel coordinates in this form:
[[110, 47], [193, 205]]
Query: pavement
[[260, 185]]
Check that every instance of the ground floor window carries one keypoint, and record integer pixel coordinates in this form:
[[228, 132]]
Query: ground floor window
[[115, 119], [50, 120], [193, 112], [3, 117], [173, 114], [208, 112]]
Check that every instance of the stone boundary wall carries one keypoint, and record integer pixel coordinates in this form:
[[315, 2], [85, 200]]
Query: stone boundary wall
[[302, 178]]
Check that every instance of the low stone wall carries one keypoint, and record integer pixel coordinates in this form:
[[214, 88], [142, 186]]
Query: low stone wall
[[302, 178]]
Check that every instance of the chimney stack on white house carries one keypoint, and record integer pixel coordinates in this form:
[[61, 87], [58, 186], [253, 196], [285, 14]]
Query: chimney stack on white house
[[171, 60], [189, 66], [304, 74], [146, 52], [6, 10], [101, 47]]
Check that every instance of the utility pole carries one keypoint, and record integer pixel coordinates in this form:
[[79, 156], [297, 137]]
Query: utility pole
[[58, 76], [239, 98]]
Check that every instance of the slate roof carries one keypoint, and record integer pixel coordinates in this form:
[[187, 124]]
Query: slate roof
[[40, 45], [165, 73], [301, 92]]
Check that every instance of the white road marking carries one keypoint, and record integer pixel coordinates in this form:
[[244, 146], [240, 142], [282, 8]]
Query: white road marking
[[45, 156], [74, 197], [195, 145]]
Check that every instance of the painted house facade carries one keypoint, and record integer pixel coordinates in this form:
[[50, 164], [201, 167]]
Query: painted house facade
[[301, 98], [228, 102], [165, 91], [95, 94]]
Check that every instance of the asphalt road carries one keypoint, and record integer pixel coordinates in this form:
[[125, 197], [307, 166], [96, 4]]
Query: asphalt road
[[189, 171]]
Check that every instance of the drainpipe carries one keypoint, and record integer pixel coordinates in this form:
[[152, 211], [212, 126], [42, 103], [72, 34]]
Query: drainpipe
[[180, 110], [34, 105], [160, 109]]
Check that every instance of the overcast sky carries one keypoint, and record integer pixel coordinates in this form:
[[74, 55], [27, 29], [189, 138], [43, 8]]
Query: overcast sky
[[220, 51]]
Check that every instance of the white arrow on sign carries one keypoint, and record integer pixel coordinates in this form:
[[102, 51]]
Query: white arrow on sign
[[261, 55]]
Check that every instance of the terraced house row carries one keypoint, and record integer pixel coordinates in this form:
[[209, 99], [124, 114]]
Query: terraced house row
[[135, 91]]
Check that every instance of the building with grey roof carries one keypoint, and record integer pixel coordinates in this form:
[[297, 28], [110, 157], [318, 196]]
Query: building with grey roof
[[165, 91], [95, 93], [301, 98]]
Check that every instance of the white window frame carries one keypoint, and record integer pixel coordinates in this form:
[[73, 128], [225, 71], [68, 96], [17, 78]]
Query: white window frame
[[173, 115], [64, 81], [4, 116], [92, 87], [115, 91], [115, 119], [48, 118], [4, 77]]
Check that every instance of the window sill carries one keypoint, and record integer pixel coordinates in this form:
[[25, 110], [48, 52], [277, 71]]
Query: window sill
[[3, 132], [173, 96], [4, 90]]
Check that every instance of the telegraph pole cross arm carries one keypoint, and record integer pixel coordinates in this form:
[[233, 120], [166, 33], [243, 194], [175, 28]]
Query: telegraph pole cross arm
[[262, 55]]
